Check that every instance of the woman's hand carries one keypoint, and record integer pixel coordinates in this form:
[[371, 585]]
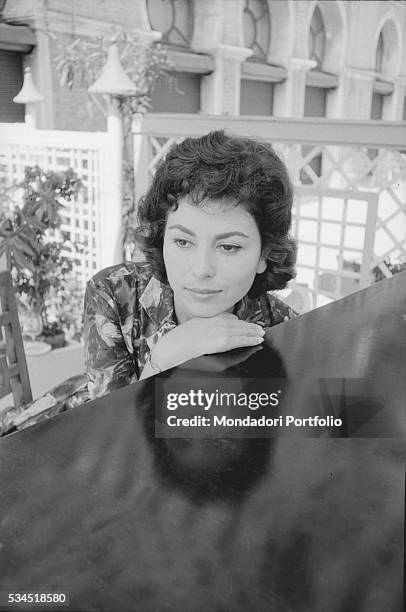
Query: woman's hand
[[204, 336]]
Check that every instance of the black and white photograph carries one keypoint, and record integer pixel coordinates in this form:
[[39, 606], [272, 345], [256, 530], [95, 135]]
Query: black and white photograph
[[202, 305]]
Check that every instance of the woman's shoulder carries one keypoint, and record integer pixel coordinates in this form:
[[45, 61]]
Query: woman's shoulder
[[266, 309], [119, 286], [279, 310], [129, 273]]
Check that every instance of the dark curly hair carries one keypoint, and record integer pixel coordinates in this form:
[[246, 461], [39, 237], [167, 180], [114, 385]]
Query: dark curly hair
[[221, 166]]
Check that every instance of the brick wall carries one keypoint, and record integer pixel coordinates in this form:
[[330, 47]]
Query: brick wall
[[120, 12]]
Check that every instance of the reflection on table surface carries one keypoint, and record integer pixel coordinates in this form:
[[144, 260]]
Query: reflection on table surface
[[93, 504]]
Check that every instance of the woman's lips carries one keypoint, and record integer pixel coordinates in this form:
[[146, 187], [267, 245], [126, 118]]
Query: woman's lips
[[202, 294], [203, 291]]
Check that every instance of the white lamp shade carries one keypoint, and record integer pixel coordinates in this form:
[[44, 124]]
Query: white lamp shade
[[113, 79], [28, 93]]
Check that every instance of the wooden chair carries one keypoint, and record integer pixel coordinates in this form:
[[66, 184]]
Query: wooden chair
[[14, 377], [13, 366]]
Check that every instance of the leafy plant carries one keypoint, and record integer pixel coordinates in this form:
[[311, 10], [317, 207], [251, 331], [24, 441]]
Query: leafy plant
[[80, 63], [33, 245], [145, 61], [393, 267], [377, 274]]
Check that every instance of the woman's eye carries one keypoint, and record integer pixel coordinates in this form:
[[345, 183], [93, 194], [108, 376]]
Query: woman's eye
[[182, 243], [230, 248]]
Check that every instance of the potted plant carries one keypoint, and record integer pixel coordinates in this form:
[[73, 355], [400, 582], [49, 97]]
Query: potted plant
[[35, 251]]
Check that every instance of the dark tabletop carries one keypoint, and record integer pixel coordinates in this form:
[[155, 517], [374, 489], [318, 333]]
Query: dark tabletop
[[94, 505]]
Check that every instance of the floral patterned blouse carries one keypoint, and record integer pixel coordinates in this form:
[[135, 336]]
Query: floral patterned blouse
[[127, 310]]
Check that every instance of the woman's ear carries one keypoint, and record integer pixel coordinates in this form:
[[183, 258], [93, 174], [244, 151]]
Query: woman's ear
[[261, 265]]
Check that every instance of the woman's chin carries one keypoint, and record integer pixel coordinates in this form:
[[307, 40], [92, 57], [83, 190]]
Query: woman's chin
[[202, 308], [205, 312], [210, 309]]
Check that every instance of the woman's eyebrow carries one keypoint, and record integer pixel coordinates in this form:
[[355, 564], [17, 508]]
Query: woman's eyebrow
[[228, 234], [182, 228], [218, 237]]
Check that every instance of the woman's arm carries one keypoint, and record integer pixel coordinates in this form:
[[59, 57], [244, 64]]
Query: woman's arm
[[201, 336], [108, 363]]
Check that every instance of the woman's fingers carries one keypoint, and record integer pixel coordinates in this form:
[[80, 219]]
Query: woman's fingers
[[228, 343], [228, 315], [242, 328], [252, 330], [229, 323], [237, 341], [233, 334]]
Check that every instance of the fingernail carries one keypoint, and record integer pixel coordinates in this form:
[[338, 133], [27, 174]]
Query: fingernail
[[260, 339]]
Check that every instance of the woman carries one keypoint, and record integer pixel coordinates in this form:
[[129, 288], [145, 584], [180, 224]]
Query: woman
[[214, 231]]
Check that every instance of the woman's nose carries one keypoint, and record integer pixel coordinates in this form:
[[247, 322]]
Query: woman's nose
[[204, 264]]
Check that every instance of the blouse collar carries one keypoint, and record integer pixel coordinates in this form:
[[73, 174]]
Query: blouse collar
[[157, 301]]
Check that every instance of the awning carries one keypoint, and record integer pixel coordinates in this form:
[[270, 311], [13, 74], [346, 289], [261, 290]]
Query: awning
[[16, 38]]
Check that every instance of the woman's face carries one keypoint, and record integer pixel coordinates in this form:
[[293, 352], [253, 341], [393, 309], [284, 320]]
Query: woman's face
[[212, 253]]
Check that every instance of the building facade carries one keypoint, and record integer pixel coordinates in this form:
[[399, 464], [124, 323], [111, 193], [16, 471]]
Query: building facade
[[287, 58]]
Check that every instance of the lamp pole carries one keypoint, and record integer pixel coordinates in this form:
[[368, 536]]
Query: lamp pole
[[113, 82], [113, 213]]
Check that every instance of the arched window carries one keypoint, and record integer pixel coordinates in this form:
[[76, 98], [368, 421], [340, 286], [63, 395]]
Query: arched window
[[317, 39], [379, 54], [258, 77], [174, 19], [257, 28], [316, 83], [381, 86]]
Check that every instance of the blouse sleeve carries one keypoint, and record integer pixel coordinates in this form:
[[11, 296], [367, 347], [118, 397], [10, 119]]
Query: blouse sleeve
[[109, 365]]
